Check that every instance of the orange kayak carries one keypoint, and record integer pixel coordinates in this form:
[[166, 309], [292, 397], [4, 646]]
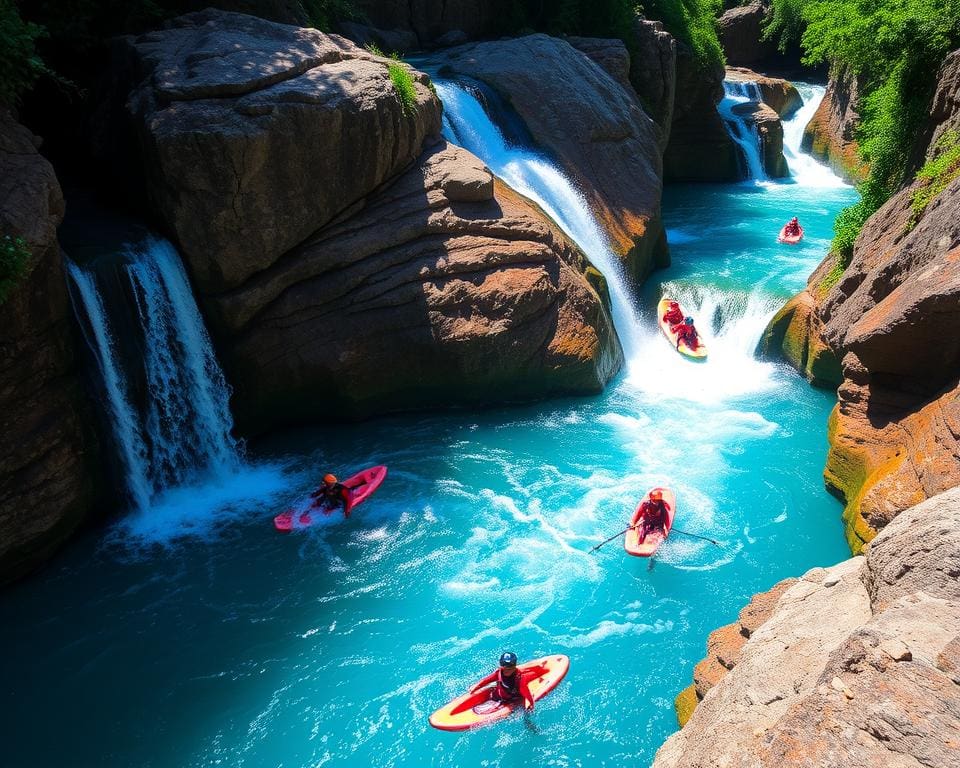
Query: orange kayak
[[652, 542], [475, 709], [699, 353]]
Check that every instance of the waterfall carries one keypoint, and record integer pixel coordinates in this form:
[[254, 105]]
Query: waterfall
[[741, 128], [178, 427], [535, 176], [804, 168]]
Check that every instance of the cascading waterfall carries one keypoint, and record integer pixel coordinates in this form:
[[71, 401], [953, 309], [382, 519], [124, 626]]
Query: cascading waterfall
[[740, 127], [805, 169], [181, 428], [467, 124]]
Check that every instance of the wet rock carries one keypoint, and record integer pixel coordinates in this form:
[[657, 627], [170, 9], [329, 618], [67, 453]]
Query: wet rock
[[831, 132], [770, 130], [48, 452], [778, 94], [455, 285], [597, 131]]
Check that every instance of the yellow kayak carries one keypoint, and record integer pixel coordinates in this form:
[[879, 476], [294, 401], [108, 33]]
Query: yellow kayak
[[475, 709], [700, 353]]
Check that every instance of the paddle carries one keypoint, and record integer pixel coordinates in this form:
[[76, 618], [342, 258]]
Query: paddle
[[696, 536], [607, 541]]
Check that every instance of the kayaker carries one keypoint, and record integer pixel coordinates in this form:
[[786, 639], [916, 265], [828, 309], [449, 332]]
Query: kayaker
[[793, 228], [510, 685], [330, 495], [651, 516], [674, 314], [686, 333]]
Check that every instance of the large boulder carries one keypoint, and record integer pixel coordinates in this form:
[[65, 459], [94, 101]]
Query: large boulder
[[778, 94], [770, 130], [700, 148], [48, 451], [741, 33], [831, 133], [469, 296], [653, 72], [328, 246], [596, 130], [254, 135], [856, 665]]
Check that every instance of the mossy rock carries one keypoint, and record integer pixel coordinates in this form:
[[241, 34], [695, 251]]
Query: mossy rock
[[685, 703]]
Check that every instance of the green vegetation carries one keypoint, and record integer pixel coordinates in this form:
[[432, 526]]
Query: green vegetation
[[323, 14], [403, 85], [14, 257], [894, 48], [691, 21], [19, 64], [936, 174]]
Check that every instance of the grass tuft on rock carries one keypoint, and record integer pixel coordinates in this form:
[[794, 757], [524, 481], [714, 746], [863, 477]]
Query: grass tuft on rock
[[936, 174], [403, 85], [14, 257]]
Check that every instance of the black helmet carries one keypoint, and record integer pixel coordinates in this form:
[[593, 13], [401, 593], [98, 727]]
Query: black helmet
[[508, 659]]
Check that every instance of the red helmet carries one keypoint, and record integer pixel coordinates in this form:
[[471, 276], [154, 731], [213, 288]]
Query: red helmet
[[329, 479], [674, 305]]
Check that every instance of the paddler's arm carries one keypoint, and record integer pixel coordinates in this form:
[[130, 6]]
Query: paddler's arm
[[525, 693], [486, 681]]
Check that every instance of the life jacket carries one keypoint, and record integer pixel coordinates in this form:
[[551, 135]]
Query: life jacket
[[673, 316], [655, 512], [687, 333], [508, 687]]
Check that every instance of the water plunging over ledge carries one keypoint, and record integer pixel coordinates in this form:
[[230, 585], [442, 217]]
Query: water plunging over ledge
[[240, 646]]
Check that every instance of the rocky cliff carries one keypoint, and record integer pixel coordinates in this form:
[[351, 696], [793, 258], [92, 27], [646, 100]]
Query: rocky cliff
[[857, 664], [597, 131], [48, 451], [331, 236], [885, 330], [741, 33], [831, 134]]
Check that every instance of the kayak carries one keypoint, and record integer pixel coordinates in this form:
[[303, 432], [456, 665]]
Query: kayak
[[700, 353], [359, 488], [653, 541], [789, 239], [475, 709]]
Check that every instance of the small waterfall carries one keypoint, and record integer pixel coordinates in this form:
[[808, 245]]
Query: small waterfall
[[179, 426], [532, 174], [742, 129], [804, 168]]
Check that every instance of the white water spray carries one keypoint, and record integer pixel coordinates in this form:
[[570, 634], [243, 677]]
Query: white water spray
[[183, 428], [804, 169], [742, 129]]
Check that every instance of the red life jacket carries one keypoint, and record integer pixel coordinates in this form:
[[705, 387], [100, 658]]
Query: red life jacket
[[686, 333], [673, 316], [655, 512]]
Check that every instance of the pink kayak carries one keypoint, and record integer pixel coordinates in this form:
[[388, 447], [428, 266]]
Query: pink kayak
[[359, 488], [652, 541], [789, 239]]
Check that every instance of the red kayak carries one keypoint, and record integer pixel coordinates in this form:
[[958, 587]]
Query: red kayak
[[359, 488], [652, 541], [783, 237]]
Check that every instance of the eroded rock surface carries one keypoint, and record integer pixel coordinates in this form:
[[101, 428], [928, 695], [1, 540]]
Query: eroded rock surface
[[256, 134], [856, 665], [47, 454], [778, 94], [597, 131], [831, 133], [445, 288], [770, 130]]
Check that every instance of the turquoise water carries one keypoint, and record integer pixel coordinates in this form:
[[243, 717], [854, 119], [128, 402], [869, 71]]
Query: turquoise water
[[193, 634]]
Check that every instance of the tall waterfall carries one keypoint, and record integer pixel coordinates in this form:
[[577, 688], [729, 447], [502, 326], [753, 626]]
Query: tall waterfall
[[805, 169], [741, 128], [531, 173], [169, 408]]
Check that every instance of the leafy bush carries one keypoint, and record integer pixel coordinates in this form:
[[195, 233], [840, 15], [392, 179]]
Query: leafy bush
[[19, 63], [894, 48], [936, 174], [694, 22], [403, 85], [14, 257]]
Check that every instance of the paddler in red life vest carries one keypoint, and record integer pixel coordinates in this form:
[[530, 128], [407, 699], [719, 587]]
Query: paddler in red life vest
[[674, 314], [686, 333], [651, 515], [330, 495], [511, 687], [793, 228]]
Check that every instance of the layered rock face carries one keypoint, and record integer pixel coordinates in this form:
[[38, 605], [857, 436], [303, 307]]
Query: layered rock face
[[778, 94], [831, 132], [700, 149], [348, 261], [653, 72], [770, 130], [741, 33], [856, 664], [48, 449], [597, 131]]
